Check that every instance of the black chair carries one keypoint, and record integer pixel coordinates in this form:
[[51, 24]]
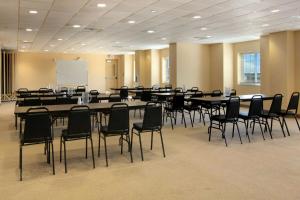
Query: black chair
[[193, 106], [174, 106], [31, 101], [216, 93], [124, 93], [23, 92], [44, 90], [118, 125], [79, 128], [37, 130], [80, 89], [253, 115], [178, 89], [194, 89], [273, 114], [114, 98], [64, 90], [94, 96], [233, 92], [138, 94], [146, 96], [152, 122], [291, 110], [231, 116], [168, 86]]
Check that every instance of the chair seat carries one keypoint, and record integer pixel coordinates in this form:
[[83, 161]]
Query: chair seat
[[139, 127], [284, 113], [266, 113], [221, 118], [35, 140], [65, 135], [191, 107], [105, 131]]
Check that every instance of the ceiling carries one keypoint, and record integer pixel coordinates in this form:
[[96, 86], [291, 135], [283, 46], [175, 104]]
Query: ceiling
[[106, 29]]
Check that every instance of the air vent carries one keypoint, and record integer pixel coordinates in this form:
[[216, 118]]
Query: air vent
[[89, 29]]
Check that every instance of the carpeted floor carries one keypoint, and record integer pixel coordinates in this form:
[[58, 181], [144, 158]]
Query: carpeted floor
[[193, 167]]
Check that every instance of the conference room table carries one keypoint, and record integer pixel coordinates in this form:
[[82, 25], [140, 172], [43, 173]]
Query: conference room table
[[65, 108]]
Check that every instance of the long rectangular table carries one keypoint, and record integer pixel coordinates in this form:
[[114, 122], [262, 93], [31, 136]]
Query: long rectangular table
[[64, 108]]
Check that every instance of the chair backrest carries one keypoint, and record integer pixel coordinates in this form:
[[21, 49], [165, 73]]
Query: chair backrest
[[276, 104], [178, 101], [37, 125], [118, 117], [32, 101], [198, 94], [146, 96], [79, 120], [94, 96], [43, 90], [233, 92], [124, 92], [256, 106], [216, 93], [194, 89], [114, 98], [64, 89], [233, 108], [178, 89], [153, 116], [20, 90], [80, 88], [293, 103], [140, 87]]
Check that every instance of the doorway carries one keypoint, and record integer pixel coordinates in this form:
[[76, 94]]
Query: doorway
[[111, 74]]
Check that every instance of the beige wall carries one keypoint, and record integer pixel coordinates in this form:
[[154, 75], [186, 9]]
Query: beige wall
[[193, 66], [297, 61], [128, 70], [162, 53], [173, 63], [228, 68], [216, 66], [243, 47], [35, 70], [155, 67]]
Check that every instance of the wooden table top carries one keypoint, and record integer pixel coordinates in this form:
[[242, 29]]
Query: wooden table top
[[67, 107], [246, 97]]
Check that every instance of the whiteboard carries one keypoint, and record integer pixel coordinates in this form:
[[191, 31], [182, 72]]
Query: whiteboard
[[71, 72]]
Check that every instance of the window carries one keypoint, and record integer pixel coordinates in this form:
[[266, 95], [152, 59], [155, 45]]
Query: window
[[165, 70], [250, 68]]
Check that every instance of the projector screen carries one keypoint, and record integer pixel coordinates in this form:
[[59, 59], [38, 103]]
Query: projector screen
[[71, 72]]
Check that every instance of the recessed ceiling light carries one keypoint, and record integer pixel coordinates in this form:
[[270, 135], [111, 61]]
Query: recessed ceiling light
[[76, 26], [59, 39], [28, 29], [83, 44], [275, 11], [33, 12], [117, 42], [265, 25], [153, 11], [51, 45], [197, 17], [150, 31], [46, 50], [203, 29], [163, 38], [208, 36], [131, 22], [26, 41], [101, 5]]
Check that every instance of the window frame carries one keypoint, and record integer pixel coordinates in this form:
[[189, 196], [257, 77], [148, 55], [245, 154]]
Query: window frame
[[163, 59], [240, 69]]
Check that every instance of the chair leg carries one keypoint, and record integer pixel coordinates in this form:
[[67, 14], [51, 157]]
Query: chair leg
[[268, 127], [141, 147], [92, 149], [86, 148], [284, 123], [151, 140], [60, 147], [297, 122], [271, 124], [105, 151], [121, 143], [191, 118], [162, 143], [194, 114], [172, 122], [253, 127], [246, 126], [209, 131], [65, 156], [183, 119], [223, 134], [131, 139], [237, 126], [129, 147], [233, 125], [99, 145], [262, 132], [53, 166], [281, 125], [21, 164]]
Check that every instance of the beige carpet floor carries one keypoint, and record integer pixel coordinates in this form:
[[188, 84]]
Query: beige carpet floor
[[193, 167]]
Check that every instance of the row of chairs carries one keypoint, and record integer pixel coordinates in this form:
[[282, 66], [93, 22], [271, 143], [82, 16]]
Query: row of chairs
[[256, 115], [38, 129]]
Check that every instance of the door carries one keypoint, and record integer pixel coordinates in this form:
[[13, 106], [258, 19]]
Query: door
[[111, 73]]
